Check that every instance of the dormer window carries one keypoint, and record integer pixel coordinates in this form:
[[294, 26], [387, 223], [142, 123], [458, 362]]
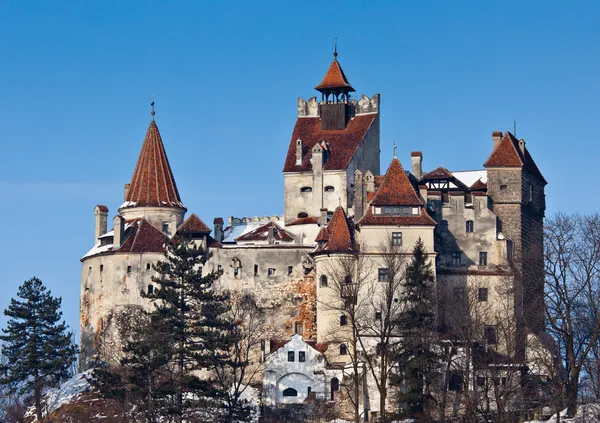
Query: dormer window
[[397, 210], [329, 188], [306, 189]]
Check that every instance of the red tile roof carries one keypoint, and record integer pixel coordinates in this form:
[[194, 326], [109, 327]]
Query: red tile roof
[[369, 219], [478, 184], [478, 194], [396, 189], [439, 173], [153, 183], [509, 154], [334, 79], [102, 208], [323, 235], [218, 220], [262, 234], [377, 180], [193, 224], [343, 143], [340, 237], [143, 238], [303, 221], [416, 154]]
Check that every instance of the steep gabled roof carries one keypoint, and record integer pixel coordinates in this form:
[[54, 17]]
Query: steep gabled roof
[[508, 153], [193, 224], [343, 143], [153, 184], [143, 238], [439, 173], [334, 79], [478, 184], [262, 234], [396, 189], [339, 236]]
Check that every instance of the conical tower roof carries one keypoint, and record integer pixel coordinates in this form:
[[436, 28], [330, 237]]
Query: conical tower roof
[[153, 184], [335, 79]]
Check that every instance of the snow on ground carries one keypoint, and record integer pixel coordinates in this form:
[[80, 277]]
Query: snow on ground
[[66, 393], [587, 413]]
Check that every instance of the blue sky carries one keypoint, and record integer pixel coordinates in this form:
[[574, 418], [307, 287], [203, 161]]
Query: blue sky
[[77, 80]]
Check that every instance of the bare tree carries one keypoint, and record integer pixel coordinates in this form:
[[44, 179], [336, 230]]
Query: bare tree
[[349, 284], [572, 291], [244, 364]]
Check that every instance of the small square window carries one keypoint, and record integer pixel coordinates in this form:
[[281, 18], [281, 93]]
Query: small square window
[[302, 357], [271, 271], [165, 227], [383, 275], [150, 289], [291, 356], [290, 270], [482, 294], [397, 239], [378, 315], [483, 258], [128, 269], [456, 259]]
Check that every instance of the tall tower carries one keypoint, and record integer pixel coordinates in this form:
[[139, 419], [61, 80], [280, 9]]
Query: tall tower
[[332, 139], [516, 188], [152, 193]]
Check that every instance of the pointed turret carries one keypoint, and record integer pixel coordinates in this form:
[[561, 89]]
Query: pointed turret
[[153, 192], [338, 237]]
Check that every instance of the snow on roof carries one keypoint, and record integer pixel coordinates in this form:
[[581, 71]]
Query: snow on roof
[[303, 234], [469, 177], [97, 249]]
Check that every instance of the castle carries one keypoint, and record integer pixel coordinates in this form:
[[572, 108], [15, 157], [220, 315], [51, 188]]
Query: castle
[[478, 228]]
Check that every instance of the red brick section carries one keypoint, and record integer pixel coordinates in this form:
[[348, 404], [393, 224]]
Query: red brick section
[[416, 154], [343, 142], [193, 224], [334, 79], [143, 238], [262, 234], [152, 183], [439, 173], [304, 221], [369, 219], [396, 189], [508, 154]]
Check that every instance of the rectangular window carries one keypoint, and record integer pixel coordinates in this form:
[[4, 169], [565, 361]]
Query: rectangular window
[[459, 290], [302, 357], [456, 258], [148, 266], [150, 289], [128, 269], [290, 270], [256, 270], [271, 271], [101, 268], [219, 268], [482, 294], [397, 238], [165, 227], [481, 381], [469, 226], [291, 356], [490, 335], [236, 272], [378, 315], [299, 328], [383, 275], [483, 258]]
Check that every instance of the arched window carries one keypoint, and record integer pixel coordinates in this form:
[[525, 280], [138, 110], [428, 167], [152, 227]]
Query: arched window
[[306, 189], [323, 281], [347, 279], [343, 349], [469, 226], [302, 215], [290, 392], [329, 188], [335, 386], [343, 320]]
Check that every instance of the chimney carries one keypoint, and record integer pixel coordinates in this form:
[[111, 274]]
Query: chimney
[[101, 214], [317, 157], [358, 195], [416, 157], [423, 193], [522, 146], [369, 181], [119, 229], [298, 152], [218, 229], [271, 236], [496, 137], [323, 218], [126, 191]]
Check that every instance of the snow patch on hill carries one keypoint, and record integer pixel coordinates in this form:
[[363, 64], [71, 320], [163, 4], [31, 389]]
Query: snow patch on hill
[[587, 413]]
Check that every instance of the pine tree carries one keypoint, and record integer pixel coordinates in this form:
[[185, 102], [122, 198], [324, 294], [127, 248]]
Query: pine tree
[[417, 322], [37, 346], [189, 308]]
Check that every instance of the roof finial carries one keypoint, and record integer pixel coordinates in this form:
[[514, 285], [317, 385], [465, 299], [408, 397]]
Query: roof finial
[[152, 112], [395, 150], [335, 47]]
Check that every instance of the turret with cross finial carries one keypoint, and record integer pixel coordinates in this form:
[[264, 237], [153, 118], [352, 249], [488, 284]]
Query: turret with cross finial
[[152, 105]]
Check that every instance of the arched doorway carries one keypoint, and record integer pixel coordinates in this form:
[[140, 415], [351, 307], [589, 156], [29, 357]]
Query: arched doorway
[[335, 386]]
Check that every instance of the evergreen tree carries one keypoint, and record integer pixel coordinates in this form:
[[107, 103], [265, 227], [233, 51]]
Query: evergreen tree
[[189, 308], [417, 321], [37, 346]]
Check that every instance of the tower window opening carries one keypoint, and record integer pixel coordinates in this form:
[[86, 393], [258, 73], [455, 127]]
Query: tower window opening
[[165, 227], [271, 271], [306, 189], [323, 281], [343, 349], [256, 270], [343, 320], [150, 289], [290, 269], [128, 269], [101, 268], [148, 266], [302, 215], [469, 226], [329, 188]]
